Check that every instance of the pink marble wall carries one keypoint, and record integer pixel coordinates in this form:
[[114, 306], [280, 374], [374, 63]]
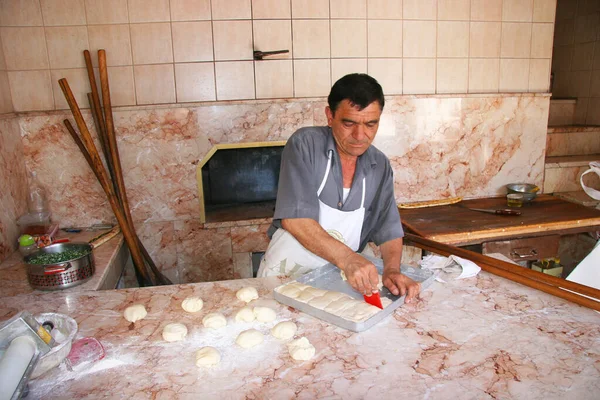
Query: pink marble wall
[[13, 184], [440, 146]]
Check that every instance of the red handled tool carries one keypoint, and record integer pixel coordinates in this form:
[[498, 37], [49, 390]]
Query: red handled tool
[[374, 300]]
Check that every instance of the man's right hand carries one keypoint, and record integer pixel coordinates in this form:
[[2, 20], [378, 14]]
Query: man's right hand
[[361, 274]]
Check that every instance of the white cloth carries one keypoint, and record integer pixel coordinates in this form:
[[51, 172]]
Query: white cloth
[[286, 256], [595, 168]]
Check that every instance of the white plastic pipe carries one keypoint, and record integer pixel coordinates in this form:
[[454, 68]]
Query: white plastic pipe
[[14, 363]]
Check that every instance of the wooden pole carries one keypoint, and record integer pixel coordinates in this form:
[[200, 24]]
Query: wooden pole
[[138, 261], [515, 273], [116, 163]]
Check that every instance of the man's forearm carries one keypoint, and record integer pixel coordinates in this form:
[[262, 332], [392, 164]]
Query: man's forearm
[[391, 252], [312, 236]]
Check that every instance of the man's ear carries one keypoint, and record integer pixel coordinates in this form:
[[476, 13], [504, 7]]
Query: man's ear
[[329, 115]]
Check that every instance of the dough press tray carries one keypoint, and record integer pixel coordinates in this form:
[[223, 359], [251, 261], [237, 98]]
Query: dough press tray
[[328, 278]]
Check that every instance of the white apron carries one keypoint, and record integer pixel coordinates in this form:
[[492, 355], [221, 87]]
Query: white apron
[[286, 256]]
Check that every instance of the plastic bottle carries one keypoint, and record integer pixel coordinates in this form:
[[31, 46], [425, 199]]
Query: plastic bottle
[[27, 245], [37, 201]]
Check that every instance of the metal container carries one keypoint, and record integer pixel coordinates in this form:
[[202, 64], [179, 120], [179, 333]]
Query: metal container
[[528, 190], [61, 275]]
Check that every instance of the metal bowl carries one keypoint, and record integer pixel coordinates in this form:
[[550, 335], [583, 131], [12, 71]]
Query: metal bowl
[[528, 190]]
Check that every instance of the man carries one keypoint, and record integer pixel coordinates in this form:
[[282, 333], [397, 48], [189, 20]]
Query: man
[[336, 194]]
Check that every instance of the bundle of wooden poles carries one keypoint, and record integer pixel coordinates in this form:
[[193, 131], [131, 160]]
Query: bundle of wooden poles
[[112, 182], [562, 288]]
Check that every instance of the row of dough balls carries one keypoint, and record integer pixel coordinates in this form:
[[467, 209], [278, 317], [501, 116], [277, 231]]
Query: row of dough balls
[[336, 303], [299, 349]]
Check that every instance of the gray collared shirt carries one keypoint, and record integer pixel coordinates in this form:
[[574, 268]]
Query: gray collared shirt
[[303, 165]]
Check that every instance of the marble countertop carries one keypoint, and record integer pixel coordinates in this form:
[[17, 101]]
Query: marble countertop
[[478, 338], [13, 271]]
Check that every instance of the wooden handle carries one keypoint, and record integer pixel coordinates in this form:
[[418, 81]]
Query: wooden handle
[[537, 280], [116, 163], [104, 181]]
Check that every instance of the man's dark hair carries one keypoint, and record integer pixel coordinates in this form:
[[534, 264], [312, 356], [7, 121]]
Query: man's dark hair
[[360, 89]]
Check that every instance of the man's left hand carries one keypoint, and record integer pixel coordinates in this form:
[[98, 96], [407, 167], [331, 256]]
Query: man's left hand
[[400, 284]]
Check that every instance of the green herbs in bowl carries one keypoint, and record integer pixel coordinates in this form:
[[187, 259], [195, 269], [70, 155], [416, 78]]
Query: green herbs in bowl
[[57, 258]]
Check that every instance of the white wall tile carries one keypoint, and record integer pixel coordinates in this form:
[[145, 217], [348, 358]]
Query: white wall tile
[[274, 79], [418, 75], [190, 10], [517, 10], [419, 9], [231, 9], [348, 38], [106, 12], [122, 88], [154, 84], [6, 105], [31, 90], [311, 38], [514, 75], [271, 9], [579, 83], [63, 12], [115, 39], [484, 75], [485, 39], [148, 11], [309, 9], [486, 10], [232, 40], [66, 45], [384, 9], [195, 82], [20, 13], [192, 41], [539, 75], [418, 38], [348, 9], [455, 10], [152, 43], [312, 78], [452, 75], [516, 40], [453, 39], [544, 10], [235, 80], [541, 40], [24, 48], [344, 66], [272, 35], [391, 30], [388, 72], [586, 28], [78, 82]]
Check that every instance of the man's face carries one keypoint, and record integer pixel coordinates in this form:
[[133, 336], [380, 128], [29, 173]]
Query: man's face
[[353, 130]]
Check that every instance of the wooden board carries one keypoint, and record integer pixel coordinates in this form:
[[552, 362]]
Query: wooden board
[[457, 225]]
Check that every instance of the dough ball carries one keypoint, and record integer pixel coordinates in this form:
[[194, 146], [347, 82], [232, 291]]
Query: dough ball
[[301, 349], [207, 357], [264, 314], [249, 338], [174, 332], [135, 313], [247, 294], [284, 330], [245, 315], [214, 320], [192, 304]]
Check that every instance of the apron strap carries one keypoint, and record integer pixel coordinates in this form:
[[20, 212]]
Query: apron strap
[[362, 202], [326, 173]]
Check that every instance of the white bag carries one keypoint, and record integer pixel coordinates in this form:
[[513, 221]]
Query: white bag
[[595, 168]]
